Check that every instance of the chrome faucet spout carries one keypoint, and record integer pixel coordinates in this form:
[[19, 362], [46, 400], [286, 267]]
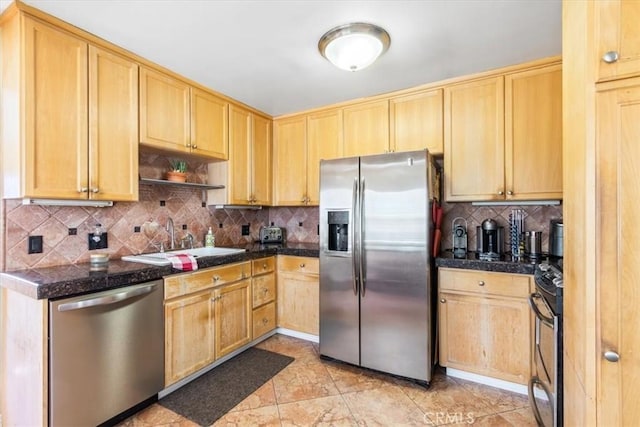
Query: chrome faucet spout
[[171, 229]]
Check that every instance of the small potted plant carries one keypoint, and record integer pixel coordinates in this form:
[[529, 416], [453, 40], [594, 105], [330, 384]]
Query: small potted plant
[[178, 172]]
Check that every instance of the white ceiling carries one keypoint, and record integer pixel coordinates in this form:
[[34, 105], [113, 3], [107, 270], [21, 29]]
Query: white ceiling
[[264, 52]]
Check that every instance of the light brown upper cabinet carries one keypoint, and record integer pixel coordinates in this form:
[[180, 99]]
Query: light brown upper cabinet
[[300, 143], [324, 142], [366, 128], [416, 122], [79, 109], [618, 38], [290, 161], [474, 140], [533, 134], [503, 137], [247, 174], [178, 118]]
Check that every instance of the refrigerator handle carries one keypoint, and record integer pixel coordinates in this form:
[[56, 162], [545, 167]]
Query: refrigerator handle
[[354, 261], [361, 260]]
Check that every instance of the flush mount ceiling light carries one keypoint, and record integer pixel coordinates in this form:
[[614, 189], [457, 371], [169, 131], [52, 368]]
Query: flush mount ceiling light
[[354, 46]]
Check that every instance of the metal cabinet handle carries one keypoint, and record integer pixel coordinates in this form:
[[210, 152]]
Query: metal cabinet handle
[[194, 146], [264, 266], [83, 190], [265, 290], [265, 321], [187, 145], [610, 57], [509, 193], [216, 278], [611, 356], [481, 283], [442, 300], [500, 193], [302, 265], [95, 190]]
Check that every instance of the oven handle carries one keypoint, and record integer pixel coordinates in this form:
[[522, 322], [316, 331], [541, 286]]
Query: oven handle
[[546, 319]]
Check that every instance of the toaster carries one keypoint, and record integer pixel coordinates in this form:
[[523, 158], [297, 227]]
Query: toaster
[[271, 235]]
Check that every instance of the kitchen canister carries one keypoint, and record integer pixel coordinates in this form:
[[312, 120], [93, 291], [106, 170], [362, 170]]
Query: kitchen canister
[[533, 244], [556, 235]]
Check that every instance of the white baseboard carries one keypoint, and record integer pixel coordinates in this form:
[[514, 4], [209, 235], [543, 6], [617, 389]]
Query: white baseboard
[[493, 382], [296, 334]]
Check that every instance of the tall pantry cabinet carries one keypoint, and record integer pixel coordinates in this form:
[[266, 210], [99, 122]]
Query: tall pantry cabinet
[[601, 109]]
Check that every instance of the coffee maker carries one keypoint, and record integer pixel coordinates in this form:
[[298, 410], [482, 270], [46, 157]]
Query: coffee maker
[[490, 240]]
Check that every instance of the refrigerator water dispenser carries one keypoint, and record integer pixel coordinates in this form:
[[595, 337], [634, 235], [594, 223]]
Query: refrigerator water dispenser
[[338, 239]]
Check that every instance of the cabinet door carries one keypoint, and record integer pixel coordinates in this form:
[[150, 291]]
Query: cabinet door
[[261, 161], [233, 317], [474, 140], [416, 122], [533, 134], [189, 337], [486, 336], [366, 129], [164, 111], [290, 155], [209, 134], [618, 270], [298, 302], [239, 155], [56, 117], [324, 142], [617, 31], [263, 289], [113, 127]]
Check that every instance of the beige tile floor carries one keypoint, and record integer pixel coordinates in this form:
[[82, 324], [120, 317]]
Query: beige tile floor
[[314, 392]]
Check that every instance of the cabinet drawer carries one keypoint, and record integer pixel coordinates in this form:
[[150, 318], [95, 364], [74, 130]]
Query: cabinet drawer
[[186, 283], [264, 319], [263, 265], [483, 282], [297, 264], [264, 289]]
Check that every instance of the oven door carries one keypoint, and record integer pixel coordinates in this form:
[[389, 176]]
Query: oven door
[[543, 384]]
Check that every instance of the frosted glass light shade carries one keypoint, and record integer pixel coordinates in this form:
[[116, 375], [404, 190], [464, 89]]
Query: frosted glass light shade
[[355, 46]]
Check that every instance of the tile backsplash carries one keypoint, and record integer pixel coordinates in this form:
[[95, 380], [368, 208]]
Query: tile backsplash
[[537, 218], [128, 224]]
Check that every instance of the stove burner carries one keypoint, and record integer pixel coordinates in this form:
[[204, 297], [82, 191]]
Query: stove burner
[[549, 282]]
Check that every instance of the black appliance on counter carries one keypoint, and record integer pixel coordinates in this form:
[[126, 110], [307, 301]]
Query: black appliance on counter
[[490, 240], [545, 386]]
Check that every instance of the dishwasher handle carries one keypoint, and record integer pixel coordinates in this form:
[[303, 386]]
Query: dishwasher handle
[[107, 299]]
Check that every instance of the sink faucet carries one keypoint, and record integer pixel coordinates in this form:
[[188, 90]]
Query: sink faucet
[[170, 228]]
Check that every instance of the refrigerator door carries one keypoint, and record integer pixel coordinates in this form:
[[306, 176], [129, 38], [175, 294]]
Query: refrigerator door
[[339, 303], [395, 309]]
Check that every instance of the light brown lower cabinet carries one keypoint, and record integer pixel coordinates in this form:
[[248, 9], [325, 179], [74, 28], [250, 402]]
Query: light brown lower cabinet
[[207, 315], [264, 296], [299, 294], [485, 324]]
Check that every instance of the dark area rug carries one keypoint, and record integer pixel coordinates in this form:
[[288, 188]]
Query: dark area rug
[[209, 397]]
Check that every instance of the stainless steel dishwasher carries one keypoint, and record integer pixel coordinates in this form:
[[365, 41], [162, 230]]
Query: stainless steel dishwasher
[[106, 353]]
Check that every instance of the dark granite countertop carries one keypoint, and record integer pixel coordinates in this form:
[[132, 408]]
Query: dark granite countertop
[[506, 264], [76, 279]]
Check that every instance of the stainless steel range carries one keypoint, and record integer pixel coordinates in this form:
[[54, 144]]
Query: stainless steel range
[[545, 387]]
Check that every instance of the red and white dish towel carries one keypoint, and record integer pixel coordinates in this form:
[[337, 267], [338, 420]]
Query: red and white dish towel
[[184, 262]]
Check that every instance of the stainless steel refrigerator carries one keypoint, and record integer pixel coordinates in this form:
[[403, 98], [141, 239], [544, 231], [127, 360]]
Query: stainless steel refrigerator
[[376, 276]]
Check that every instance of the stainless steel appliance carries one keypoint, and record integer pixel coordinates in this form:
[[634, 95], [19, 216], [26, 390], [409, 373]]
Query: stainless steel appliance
[[106, 353], [545, 387], [271, 234], [376, 275], [556, 234], [490, 240], [459, 230], [533, 244]]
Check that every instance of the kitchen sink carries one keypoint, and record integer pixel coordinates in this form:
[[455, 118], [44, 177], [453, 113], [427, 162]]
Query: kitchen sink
[[160, 258]]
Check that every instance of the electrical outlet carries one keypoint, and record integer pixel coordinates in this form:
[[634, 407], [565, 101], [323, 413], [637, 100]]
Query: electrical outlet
[[35, 245], [73, 231], [245, 230], [102, 243]]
